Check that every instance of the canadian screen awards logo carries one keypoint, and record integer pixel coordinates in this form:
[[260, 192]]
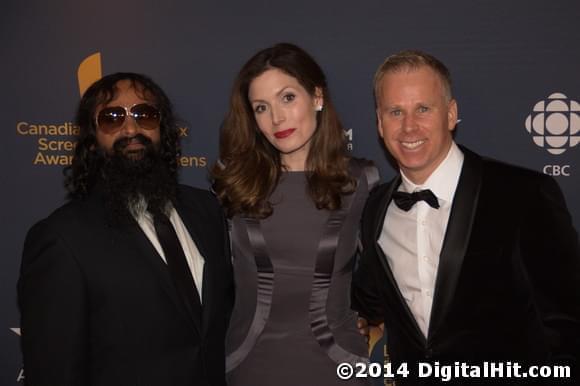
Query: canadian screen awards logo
[[56, 141]]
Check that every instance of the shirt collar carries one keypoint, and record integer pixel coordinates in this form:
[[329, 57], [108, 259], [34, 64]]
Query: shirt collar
[[139, 209], [444, 179]]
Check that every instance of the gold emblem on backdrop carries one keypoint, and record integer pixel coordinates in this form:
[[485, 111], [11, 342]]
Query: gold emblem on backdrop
[[89, 71], [55, 142]]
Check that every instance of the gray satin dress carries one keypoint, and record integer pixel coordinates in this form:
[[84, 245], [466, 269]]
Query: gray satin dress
[[292, 322]]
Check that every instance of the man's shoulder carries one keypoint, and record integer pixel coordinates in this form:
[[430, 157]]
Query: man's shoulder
[[71, 211], [377, 194], [67, 221], [381, 189], [495, 169], [510, 173], [199, 199]]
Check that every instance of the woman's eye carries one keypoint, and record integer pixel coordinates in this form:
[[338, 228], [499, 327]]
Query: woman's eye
[[288, 97], [259, 109]]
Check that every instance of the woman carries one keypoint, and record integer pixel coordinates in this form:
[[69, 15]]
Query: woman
[[295, 199]]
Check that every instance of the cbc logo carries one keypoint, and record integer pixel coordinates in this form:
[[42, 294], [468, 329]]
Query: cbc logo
[[555, 124], [557, 170]]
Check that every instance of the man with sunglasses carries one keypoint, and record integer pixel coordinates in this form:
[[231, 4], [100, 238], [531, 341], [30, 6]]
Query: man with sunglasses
[[129, 283]]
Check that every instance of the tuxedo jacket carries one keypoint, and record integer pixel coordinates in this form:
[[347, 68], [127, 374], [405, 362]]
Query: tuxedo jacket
[[98, 305], [508, 280]]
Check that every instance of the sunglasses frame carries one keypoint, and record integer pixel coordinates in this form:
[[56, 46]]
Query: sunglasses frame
[[128, 113]]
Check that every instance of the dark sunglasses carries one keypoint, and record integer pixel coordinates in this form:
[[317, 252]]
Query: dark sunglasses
[[111, 119]]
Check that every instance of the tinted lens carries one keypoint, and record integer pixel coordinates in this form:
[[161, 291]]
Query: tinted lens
[[146, 116], [111, 118]]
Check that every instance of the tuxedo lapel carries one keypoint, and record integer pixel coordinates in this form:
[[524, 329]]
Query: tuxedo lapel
[[456, 238], [392, 285]]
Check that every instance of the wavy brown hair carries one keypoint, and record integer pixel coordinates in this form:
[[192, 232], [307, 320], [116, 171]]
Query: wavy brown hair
[[250, 167]]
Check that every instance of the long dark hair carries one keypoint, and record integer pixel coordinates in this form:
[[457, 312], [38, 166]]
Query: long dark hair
[[83, 172], [250, 167]]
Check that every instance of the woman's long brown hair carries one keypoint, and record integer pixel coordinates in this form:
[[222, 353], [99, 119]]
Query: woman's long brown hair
[[249, 167]]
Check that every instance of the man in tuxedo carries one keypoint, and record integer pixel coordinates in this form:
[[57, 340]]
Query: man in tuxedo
[[129, 283], [465, 258]]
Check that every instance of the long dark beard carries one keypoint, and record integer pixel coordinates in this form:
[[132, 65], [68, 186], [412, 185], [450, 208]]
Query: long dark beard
[[131, 179]]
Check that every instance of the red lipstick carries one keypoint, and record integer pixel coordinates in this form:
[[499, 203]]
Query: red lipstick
[[284, 133]]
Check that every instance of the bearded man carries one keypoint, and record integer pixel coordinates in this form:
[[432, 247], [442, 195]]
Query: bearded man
[[129, 283]]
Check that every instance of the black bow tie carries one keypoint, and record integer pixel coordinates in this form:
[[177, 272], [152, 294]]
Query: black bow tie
[[405, 201]]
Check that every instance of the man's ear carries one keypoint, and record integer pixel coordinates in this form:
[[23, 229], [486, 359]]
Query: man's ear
[[379, 123], [452, 114]]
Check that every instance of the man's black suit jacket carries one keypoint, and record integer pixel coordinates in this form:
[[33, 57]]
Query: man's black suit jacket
[[98, 306], [508, 281]]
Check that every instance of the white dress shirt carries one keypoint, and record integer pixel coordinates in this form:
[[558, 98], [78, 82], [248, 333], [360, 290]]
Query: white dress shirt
[[195, 260], [412, 240]]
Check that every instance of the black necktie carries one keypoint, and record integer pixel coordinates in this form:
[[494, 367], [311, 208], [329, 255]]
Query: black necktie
[[177, 263], [405, 201]]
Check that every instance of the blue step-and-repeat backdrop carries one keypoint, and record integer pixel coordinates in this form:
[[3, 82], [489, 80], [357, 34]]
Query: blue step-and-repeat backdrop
[[515, 64]]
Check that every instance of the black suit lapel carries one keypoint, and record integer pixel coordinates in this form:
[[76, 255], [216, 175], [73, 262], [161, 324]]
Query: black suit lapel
[[393, 287], [210, 279], [130, 234], [456, 237], [135, 235], [195, 228]]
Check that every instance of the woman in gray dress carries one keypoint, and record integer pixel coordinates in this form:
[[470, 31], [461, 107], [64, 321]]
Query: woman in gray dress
[[294, 197]]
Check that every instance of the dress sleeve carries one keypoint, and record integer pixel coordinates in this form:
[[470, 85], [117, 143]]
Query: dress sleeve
[[366, 297]]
